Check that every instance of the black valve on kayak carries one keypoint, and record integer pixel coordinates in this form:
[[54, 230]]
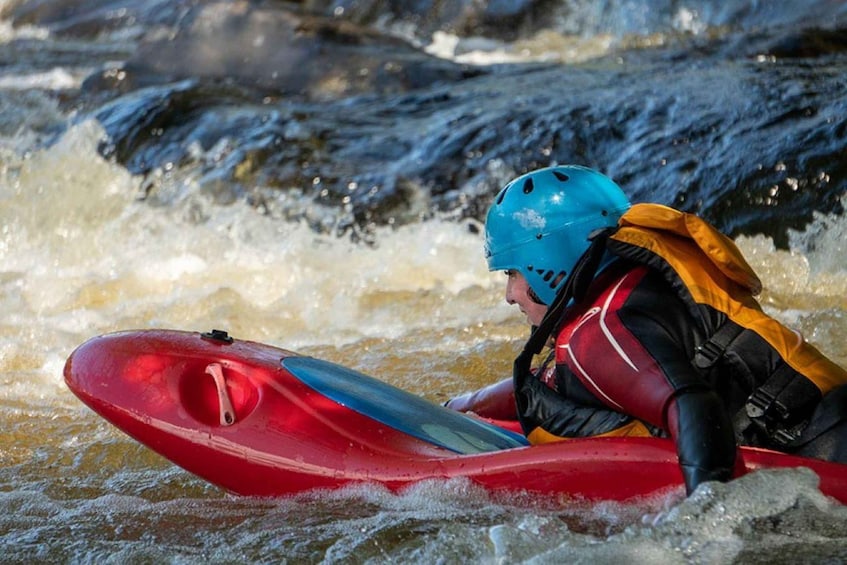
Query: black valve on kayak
[[217, 335]]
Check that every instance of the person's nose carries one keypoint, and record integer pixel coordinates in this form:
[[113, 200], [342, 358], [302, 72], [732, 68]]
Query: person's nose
[[509, 294]]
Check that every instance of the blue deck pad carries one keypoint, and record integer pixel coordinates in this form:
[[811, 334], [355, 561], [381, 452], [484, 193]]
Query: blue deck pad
[[401, 410]]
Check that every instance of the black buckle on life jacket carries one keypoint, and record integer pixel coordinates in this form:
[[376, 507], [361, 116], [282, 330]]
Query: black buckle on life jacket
[[708, 352], [777, 406], [762, 403], [767, 412]]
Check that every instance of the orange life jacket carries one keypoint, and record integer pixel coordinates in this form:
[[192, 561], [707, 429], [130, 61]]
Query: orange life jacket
[[714, 273]]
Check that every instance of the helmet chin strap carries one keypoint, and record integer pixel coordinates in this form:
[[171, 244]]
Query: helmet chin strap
[[574, 288], [534, 297]]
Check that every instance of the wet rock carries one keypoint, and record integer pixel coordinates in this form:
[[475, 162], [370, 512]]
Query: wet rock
[[809, 43], [505, 19], [279, 52], [96, 18], [299, 112]]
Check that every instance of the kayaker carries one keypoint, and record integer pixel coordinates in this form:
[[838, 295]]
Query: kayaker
[[653, 329]]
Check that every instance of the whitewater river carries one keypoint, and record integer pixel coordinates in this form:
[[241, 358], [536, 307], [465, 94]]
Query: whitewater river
[[343, 221]]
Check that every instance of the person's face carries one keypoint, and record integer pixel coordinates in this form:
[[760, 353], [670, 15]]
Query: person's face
[[517, 292]]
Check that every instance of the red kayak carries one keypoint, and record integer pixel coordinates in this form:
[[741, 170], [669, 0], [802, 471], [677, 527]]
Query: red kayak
[[259, 420]]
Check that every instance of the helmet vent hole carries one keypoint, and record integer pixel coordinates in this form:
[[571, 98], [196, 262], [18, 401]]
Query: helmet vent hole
[[561, 176], [528, 186], [502, 195], [547, 276], [604, 213], [559, 278]]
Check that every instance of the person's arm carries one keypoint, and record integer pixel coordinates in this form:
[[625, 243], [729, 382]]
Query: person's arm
[[693, 413], [496, 401], [704, 436], [684, 405], [634, 355]]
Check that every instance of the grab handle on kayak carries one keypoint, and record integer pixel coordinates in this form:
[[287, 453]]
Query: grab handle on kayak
[[227, 414]]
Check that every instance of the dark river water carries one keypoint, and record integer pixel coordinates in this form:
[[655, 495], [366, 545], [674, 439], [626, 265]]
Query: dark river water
[[313, 175]]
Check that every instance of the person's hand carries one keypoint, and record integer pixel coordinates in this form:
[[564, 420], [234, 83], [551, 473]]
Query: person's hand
[[459, 403]]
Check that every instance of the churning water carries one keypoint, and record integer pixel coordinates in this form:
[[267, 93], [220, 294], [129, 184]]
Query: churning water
[[208, 165]]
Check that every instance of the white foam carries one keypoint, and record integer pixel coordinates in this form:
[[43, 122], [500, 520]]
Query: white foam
[[81, 256], [10, 33], [54, 79], [546, 46]]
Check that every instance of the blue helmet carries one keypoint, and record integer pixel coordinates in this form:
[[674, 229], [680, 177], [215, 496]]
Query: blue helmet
[[540, 222]]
